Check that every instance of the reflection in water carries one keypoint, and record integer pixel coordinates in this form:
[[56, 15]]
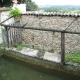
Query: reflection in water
[[4, 74], [15, 70]]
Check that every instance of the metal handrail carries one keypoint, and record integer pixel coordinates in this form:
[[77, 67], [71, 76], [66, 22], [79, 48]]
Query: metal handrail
[[6, 20], [44, 29], [41, 29]]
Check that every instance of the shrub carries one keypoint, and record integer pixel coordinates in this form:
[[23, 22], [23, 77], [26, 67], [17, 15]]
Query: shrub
[[15, 12]]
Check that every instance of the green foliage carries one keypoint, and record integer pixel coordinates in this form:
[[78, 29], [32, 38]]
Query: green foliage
[[76, 11], [21, 1], [2, 50], [52, 10], [15, 12], [31, 6], [5, 3], [62, 9], [65, 10], [42, 52], [57, 10], [3, 44], [19, 47], [74, 57]]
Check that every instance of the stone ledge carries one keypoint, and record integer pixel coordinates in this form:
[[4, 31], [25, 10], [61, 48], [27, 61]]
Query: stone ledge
[[54, 57], [37, 13], [69, 69], [29, 52]]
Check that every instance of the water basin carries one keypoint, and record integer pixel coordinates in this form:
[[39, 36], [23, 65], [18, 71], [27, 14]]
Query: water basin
[[11, 69]]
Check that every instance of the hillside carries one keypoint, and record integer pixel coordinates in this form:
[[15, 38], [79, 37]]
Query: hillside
[[59, 7]]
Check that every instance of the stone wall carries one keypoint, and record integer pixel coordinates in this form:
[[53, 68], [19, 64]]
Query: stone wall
[[51, 41]]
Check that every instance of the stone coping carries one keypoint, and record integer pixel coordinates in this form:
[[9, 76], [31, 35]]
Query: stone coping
[[53, 57], [66, 69], [37, 13]]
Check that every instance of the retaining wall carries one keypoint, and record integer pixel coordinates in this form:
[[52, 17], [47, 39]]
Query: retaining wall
[[69, 68], [51, 41]]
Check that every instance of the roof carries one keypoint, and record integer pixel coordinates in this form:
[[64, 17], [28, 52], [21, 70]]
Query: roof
[[52, 13]]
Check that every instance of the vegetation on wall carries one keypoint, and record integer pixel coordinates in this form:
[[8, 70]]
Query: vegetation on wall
[[73, 57], [15, 12], [2, 50]]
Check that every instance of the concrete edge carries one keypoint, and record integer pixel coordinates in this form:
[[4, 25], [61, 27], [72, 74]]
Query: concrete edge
[[67, 68]]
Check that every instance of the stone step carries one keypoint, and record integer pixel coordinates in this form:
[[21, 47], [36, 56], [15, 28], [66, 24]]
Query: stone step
[[52, 57], [29, 52]]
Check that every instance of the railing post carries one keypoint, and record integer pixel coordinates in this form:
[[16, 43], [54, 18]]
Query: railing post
[[7, 37], [62, 48]]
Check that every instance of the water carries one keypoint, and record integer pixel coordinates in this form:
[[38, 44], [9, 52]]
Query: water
[[11, 69]]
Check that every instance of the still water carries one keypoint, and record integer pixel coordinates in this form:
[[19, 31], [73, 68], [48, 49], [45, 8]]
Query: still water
[[11, 69]]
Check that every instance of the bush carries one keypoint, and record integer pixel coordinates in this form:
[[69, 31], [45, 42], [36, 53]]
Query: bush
[[15, 12]]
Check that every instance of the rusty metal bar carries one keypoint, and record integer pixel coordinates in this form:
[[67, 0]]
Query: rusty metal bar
[[6, 20], [63, 48], [71, 23], [43, 29], [7, 37]]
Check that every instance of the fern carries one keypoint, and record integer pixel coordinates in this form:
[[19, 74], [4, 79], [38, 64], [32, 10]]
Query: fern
[[15, 12]]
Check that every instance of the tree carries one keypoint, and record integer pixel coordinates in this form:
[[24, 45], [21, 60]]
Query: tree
[[1, 3], [5, 3], [31, 6], [52, 10]]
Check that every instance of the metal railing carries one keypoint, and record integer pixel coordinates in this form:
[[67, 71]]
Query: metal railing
[[42, 29]]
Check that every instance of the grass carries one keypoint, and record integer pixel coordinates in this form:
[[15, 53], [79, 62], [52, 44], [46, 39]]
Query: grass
[[21, 46], [74, 57], [2, 50], [41, 52]]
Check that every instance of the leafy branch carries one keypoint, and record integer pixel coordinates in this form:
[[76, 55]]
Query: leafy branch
[[15, 12]]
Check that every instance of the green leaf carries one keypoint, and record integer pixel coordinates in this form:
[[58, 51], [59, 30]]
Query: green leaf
[[15, 12]]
